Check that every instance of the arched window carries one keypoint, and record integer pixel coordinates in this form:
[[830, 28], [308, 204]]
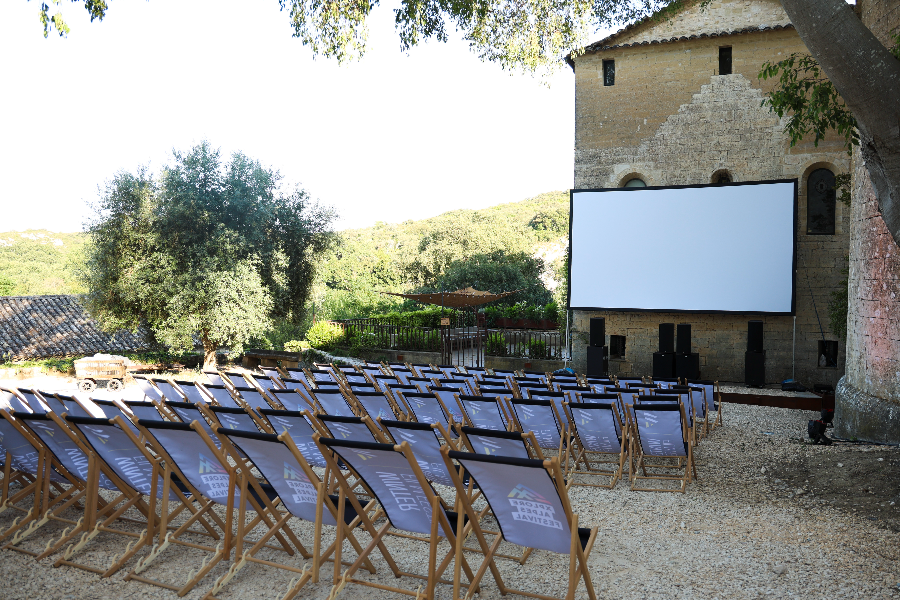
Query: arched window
[[721, 176], [635, 182], [820, 199]]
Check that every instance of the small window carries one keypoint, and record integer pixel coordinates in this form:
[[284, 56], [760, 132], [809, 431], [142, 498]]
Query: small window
[[828, 354], [636, 182], [820, 199], [617, 346], [609, 72], [725, 60]]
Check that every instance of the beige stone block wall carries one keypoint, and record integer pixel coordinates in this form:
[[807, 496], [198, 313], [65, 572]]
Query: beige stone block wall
[[671, 120]]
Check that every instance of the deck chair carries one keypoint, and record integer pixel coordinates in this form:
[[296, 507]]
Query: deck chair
[[403, 375], [484, 413], [137, 474], [169, 391], [535, 375], [358, 429], [110, 409], [713, 399], [236, 379], [529, 384], [428, 373], [421, 383], [425, 440], [76, 407], [541, 418], [530, 501], [376, 405], [665, 383], [294, 384], [698, 405], [301, 376], [12, 402], [356, 378], [47, 432], [598, 386], [382, 382], [661, 432], [150, 391], [556, 397], [137, 409], [291, 399], [303, 495], [332, 403], [391, 474], [447, 396], [193, 392], [28, 462], [427, 408], [298, 425], [494, 380], [644, 388], [491, 391], [320, 376], [624, 381], [51, 402], [503, 373], [230, 418], [33, 400], [216, 378], [682, 396], [461, 386], [274, 376], [188, 413], [222, 395], [515, 444], [598, 430], [250, 397], [194, 458]]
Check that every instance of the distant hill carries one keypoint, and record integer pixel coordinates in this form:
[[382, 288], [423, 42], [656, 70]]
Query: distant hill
[[383, 257], [38, 262], [402, 256]]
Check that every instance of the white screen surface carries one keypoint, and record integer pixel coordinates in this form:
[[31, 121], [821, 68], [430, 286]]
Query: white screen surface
[[706, 248]]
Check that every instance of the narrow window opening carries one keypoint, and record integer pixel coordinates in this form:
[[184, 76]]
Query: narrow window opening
[[609, 72], [820, 199], [722, 176], [617, 346], [725, 60], [828, 354]]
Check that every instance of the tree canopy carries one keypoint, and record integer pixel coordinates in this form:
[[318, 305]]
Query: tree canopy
[[210, 248]]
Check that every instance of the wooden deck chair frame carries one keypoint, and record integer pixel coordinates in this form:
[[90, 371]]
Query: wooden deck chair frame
[[637, 451], [265, 512], [581, 539], [440, 522], [129, 482], [460, 398], [710, 388], [43, 482], [584, 454], [238, 443], [561, 423]]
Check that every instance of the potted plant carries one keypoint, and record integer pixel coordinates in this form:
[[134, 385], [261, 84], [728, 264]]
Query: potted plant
[[549, 316], [533, 314]]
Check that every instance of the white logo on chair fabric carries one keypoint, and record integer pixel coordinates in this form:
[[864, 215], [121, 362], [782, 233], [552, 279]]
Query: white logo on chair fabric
[[533, 508], [304, 491], [214, 477]]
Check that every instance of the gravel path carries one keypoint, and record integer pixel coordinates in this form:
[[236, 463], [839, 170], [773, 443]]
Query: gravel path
[[736, 533]]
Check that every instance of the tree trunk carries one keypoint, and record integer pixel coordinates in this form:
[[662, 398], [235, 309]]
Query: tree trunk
[[209, 352], [867, 76]]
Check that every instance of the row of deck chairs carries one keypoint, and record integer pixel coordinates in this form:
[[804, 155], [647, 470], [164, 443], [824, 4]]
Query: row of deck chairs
[[180, 470]]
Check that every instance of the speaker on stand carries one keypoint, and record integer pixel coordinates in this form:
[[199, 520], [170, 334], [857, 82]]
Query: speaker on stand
[[755, 356], [664, 360], [687, 363], [597, 351]]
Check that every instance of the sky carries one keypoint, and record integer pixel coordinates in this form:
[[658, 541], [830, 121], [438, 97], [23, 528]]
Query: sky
[[390, 137]]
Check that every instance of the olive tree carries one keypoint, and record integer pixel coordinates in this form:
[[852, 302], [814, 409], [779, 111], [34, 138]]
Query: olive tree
[[210, 249]]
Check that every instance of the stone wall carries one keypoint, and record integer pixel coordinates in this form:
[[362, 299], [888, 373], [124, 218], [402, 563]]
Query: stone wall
[[868, 399], [671, 120]]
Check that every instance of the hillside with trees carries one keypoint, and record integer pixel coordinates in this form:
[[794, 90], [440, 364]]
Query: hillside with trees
[[40, 263]]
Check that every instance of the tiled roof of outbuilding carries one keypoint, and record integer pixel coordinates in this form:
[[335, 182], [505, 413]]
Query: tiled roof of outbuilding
[[604, 44], [44, 326]]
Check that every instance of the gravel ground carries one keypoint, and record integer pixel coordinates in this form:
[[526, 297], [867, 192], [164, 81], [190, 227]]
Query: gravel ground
[[738, 532]]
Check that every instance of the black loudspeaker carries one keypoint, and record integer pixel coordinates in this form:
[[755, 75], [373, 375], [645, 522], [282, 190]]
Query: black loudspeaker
[[683, 341], [754, 336], [598, 332], [687, 366], [597, 361], [667, 337], [755, 369], [663, 365]]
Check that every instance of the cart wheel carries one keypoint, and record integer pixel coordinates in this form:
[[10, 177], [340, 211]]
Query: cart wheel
[[87, 385], [114, 385]]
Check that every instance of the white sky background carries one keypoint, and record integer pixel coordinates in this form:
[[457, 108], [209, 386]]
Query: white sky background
[[391, 137]]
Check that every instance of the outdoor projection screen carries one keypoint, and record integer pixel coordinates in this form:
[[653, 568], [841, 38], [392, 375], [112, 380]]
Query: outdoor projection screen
[[707, 248]]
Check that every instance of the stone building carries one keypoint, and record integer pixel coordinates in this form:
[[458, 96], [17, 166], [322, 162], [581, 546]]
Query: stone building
[[678, 101]]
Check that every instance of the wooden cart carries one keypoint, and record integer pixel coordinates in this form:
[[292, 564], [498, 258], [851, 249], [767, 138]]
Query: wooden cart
[[90, 370]]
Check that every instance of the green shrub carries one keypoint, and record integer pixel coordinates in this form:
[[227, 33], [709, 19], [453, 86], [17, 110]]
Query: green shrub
[[551, 311], [533, 312], [537, 349], [429, 341], [296, 346], [325, 335], [495, 345]]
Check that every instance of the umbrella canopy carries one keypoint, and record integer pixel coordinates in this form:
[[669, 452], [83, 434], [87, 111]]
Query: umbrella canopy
[[458, 299]]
